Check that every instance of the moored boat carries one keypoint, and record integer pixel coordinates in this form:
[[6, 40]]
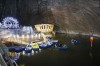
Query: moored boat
[[43, 46], [28, 49], [61, 47], [74, 42], [19, 48], [11, 49], [35, 46]]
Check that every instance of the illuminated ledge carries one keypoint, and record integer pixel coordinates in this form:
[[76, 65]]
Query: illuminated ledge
[[44, 27]]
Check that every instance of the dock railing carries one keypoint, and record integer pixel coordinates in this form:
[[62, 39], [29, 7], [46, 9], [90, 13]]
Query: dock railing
[[5, 51]]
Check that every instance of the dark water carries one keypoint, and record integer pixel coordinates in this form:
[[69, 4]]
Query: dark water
[[77, 55]]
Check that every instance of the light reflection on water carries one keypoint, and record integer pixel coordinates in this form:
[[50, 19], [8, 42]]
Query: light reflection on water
[[78, 55], [15, 56]]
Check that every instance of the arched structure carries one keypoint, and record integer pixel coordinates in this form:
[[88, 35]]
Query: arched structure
[[47, 29], [44, 28]]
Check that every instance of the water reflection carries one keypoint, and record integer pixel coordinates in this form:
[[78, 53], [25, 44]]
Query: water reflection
[[78, 54], [22, 65], [15, 56]]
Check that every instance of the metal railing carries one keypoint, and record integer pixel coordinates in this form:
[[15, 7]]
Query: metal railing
[[10, 61], [2, 61]]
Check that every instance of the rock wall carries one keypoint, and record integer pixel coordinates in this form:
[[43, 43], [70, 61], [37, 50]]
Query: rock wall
[[67, 15]]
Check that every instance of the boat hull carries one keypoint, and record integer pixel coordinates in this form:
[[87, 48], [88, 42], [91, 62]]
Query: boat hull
[[61, 48]]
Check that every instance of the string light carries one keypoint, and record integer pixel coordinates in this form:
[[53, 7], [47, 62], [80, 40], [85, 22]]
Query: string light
[[9, 22]]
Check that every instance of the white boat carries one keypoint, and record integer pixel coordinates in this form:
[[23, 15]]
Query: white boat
[[28, 49], [53, 41], [48, 44]]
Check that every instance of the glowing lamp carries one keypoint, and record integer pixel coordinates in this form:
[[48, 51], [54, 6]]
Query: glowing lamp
[[91, 39]]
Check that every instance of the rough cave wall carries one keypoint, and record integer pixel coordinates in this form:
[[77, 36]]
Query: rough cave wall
[[76, 15], [67, 15]]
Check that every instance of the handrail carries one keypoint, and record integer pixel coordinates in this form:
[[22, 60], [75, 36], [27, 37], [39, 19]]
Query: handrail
[[8, 58], [15, 63], [2, 60]]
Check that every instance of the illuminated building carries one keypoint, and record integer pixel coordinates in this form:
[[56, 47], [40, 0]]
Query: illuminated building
[[47, 29], [44, 28]]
